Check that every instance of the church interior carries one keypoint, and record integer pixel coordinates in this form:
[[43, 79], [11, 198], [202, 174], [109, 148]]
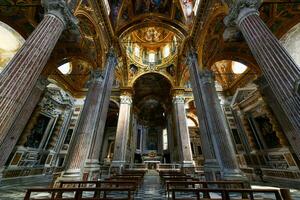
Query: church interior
[[149, 99]]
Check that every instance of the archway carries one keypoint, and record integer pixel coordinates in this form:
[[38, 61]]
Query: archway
[[152, 105]]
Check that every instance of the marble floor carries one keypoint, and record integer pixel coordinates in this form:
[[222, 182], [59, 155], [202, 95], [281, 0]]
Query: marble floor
[[150, 189]]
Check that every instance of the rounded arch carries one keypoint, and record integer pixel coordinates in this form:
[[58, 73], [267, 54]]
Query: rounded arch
[[193, 118], [170, 80], [200, 41], [242, 58], [144, 21]]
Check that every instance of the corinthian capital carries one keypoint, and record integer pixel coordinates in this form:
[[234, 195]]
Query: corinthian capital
[[60, 9], [126, 99], [240, 9]]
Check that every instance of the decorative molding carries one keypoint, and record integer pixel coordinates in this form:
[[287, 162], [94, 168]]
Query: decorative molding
[[126, 99], [60, 9], [241, 9], [42, 83]]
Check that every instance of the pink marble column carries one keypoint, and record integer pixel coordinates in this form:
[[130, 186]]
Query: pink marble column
[[19, 124], [86, 127], [21, 74], [279, 69]]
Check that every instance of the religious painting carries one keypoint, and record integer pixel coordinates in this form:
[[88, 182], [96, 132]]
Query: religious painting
[[155, 6], [152, 139], [266, 129], [37, 133]]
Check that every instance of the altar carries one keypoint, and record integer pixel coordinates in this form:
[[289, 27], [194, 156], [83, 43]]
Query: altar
[[151, 159]]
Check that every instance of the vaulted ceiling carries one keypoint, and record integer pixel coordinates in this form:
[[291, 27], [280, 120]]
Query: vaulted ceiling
[[151, 24]]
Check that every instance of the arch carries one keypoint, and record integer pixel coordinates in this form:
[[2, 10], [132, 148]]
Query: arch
[[161, 21], [152, 72]]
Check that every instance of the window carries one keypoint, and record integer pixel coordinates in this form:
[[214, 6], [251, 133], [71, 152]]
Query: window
[[10, 43], [238, 68], [166, 51], [165, 139], [65, 68], [152, 57], [137, 51]]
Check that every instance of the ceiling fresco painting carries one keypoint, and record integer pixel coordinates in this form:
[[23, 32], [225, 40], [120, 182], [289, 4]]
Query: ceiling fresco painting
[[152, 6], [151, 37]]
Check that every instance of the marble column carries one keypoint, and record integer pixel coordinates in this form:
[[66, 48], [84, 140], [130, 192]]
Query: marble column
[[223, 143], [182, 132], [170, 137], [211, 116], [120, 149], [206, 124], [9, 142], [86, 127], [22, 72], [92, 163], [279, 69]]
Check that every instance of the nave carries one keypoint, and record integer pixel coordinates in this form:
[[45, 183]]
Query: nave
[[142, 184]]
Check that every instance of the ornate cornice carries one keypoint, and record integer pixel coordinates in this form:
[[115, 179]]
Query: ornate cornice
[[60, 9], [241, 9]]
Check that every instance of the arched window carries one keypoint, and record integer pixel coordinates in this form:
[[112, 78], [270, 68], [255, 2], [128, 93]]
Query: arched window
[[10, 43]]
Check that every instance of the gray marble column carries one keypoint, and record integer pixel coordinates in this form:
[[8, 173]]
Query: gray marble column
[[86, 127], [119, 158], [223, 143], [212, 120], [92, 163], [21, 74], [170, 137], [182, 132], [206, 124], [9, 142], [279, 69]]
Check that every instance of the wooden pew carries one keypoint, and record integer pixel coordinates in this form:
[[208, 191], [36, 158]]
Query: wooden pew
[[99, 193], [203, 184], [225, 193]]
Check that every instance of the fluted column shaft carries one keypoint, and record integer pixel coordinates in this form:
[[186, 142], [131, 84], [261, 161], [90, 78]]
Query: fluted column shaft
[[205, 121], [119, 158], [19, 124], [21, 74], [182, 132], [86, 127], [279, 69], [224, 150], [105, 92]]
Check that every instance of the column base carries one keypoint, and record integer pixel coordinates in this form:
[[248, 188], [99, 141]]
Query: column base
[[188, 164], [92, 169], [71, 175], [233, 175], [1, 175], [117, 166], [212, 170]]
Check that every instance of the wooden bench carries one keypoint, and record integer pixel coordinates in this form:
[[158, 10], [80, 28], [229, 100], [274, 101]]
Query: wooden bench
[[102, 193], [224, 193], [98, 184], [203, 184]]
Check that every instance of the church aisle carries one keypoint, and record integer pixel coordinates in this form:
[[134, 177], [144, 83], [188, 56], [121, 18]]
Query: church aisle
[[151, 188]]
